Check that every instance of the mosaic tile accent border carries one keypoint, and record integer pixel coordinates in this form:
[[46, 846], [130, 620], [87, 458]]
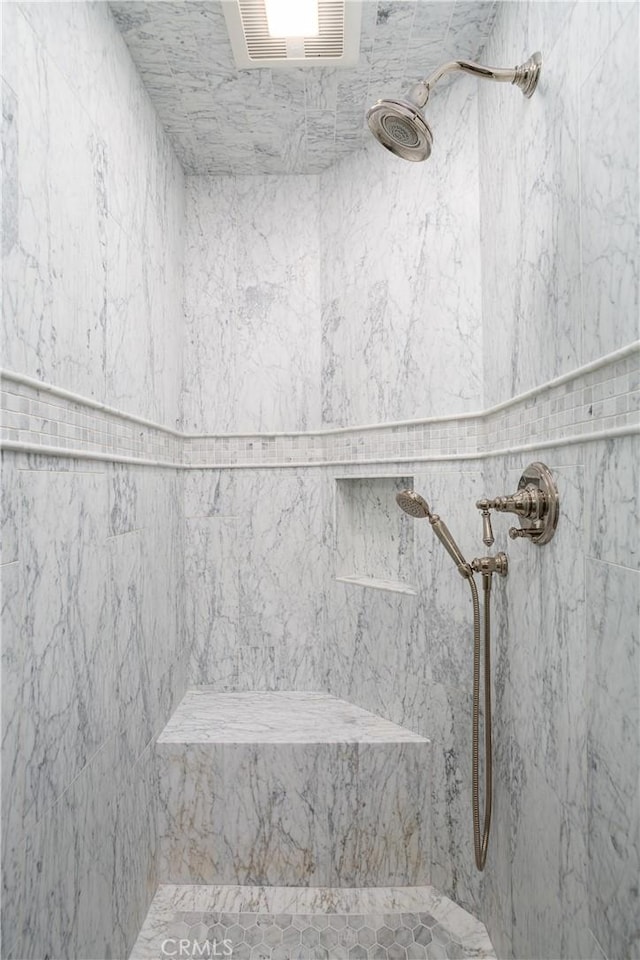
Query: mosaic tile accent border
[[598, 400], [45, 419]]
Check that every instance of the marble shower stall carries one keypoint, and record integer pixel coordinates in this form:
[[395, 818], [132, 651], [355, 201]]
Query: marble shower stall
[[212, 387]]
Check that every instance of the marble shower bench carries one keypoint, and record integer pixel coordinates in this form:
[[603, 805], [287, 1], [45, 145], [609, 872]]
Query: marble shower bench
[[291, 789]]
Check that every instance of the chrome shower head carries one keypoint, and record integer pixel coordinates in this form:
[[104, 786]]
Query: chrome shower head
[[416, 506], [400, 127], [413, 504], [399, 124]]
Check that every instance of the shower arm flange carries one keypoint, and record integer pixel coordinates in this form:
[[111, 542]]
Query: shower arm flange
[[525, 76]]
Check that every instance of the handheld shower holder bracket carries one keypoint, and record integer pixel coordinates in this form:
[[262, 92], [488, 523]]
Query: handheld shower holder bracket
[[536, 502], [488, 565]]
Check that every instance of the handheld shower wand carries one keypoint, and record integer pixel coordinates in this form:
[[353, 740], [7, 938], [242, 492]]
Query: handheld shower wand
[[416, 506], [537, 504]]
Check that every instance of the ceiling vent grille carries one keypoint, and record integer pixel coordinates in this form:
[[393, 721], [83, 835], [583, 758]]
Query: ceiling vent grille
[[338, 39]]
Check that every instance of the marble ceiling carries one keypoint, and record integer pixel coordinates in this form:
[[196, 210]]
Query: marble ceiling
[[224, 120]]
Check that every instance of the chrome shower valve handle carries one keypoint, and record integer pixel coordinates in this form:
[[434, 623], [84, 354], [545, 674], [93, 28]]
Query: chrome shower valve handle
[[519, 533], [536, 502], [487, 531]]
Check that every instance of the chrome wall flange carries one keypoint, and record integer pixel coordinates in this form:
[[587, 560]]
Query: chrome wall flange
[[536, 502], [528, 74], [538, 486]]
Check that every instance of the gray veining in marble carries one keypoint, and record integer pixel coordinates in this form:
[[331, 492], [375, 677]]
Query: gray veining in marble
[[342, 328], [92, 553], [301, 120], [206, 716], [558, 205], [288, 787]]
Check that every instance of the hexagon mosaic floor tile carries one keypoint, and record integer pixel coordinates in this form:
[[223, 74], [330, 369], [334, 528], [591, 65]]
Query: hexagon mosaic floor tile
[[311, 928], [251, 936]]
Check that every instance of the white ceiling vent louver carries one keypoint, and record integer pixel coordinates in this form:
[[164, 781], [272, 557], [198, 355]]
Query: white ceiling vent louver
[[338, 39]]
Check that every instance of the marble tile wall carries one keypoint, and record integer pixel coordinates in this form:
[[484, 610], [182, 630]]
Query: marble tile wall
[[252, 300], [390, 329], [255, 571], [92, 550], [408, 658], [91, 642], [401, 302], [559, 200], [401, 299], [290, 276], [284, 788], [559, 206], [94, 169]]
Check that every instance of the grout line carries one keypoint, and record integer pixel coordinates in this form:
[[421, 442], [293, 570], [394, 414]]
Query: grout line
[[603, 955], [615, 432], [611, 563]]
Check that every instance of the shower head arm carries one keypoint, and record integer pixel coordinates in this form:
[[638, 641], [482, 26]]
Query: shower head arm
[[525, 76]]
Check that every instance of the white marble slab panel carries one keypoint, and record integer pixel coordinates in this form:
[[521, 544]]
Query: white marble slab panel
[[391, 835], [56, 288], [546, 596], [252, 302], [161, 519], [64, 911], [212, 604], [279, 619], [206, 716], [291, 788], [612, 514], [84, 308], [127, 580], [135, 836], [536, 871], [529, 197], [191, 809], [10, 509], [13, 757], [301, 813], [276, 824], [391, 238], [613, 615], [609, 170], [70, 694]]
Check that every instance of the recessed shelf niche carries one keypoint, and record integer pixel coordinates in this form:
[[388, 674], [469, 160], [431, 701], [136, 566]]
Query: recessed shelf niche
[[374, 538]]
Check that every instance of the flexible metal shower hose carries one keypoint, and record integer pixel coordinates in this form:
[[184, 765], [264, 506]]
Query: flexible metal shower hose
[[481, 843]]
